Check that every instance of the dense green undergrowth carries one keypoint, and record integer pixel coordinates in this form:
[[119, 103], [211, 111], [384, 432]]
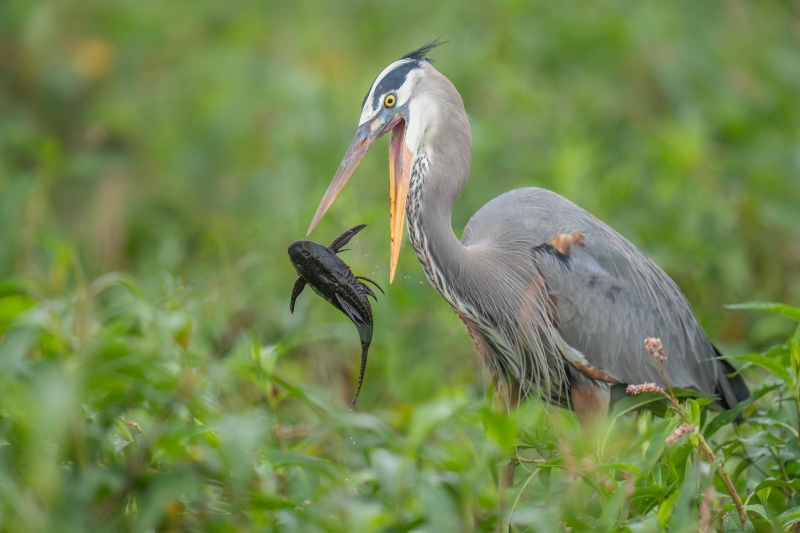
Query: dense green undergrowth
[[157, 158], [117, 413]]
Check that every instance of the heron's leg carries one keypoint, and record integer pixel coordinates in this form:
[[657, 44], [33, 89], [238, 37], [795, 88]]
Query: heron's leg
[[507, 397], [504, 482], [590, 402]]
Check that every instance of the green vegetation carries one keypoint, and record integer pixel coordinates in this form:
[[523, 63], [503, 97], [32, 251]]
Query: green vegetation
[[156, 158]]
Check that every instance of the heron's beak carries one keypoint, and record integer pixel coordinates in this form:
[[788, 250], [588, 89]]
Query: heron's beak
[[400, 160], [355, 153]]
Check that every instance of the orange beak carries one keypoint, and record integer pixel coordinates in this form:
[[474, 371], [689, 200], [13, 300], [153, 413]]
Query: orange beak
[[400, 160]]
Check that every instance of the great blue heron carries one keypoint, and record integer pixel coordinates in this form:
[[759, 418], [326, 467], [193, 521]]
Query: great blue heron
[[552, 297]]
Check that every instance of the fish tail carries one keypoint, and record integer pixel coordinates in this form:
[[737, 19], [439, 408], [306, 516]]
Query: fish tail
[[364, 351]]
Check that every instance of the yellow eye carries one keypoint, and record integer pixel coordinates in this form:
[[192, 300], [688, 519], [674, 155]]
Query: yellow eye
[[390, 100]]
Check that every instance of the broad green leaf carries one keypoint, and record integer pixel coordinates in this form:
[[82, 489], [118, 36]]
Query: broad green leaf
[[424, 421], [680, 457], [298, 393], [768, 364], [792, 516], [793, 484], [758, 509], [500, 428], [650, 491], [11, 306], [729, 416], [770, 307], [765, 421], [649, 399], [761, 438], [658, 442], [114, 279], [631, 403], [623, 467], [694, 412], [283, 458], [794, 346], [666, 507], [612, 508]]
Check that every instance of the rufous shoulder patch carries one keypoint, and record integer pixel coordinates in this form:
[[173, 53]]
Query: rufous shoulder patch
[[593, 372], [563, 242]]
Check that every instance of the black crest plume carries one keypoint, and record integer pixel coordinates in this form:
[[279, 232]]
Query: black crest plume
[[420, 54]]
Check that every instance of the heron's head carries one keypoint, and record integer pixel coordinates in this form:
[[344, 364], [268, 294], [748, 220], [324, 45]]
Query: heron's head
[[398, 102]]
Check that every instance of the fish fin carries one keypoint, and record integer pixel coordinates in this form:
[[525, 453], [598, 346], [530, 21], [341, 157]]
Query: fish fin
[[351, 312], [367, 279], [299, 285], [364, 352], [369, 292], [345, 237]]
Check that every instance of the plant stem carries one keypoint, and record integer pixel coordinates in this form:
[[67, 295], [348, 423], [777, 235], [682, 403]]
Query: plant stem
[[796, 396], [723, 474], [708, 452]]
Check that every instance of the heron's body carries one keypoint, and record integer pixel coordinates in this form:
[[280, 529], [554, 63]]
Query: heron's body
[[552, 296]]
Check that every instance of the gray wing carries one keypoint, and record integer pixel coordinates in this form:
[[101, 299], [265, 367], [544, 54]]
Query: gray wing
[[607, 295]]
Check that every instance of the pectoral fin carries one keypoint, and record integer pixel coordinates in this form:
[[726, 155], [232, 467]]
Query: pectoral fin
[[299, 285], [351, 312]]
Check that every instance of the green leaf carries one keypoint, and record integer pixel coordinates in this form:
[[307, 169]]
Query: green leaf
[[792, 516], [622, 467], [794, 347], [666, 507], [425, 419], [768, 364], [793, 484], [500, 428], [658, 442], [694, 412], [679, 459], [767, 421], [758, 509], [12, 306], [631, 403], [761, 438], [650, 491], [612, 508], [729, 416], [770, 307], [284, 458]]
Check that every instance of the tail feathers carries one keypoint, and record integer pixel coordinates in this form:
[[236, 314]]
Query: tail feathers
[[731, 390]]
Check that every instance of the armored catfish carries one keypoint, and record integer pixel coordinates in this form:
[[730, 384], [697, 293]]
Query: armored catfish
[[331, 278]]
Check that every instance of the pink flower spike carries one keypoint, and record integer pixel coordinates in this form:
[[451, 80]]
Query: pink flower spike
[[655, 348], [644, 387], [680, 431]]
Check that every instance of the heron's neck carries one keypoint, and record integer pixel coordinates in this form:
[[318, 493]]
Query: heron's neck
[[442, 157], [433, 190]]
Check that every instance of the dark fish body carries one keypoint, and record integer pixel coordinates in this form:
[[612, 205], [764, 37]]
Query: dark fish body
[[331, 278]]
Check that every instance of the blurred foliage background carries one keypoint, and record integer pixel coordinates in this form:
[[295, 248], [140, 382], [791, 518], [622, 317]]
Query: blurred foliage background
[[156, 159]]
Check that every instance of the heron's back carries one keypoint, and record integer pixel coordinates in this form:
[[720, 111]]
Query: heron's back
[[606, 295]]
